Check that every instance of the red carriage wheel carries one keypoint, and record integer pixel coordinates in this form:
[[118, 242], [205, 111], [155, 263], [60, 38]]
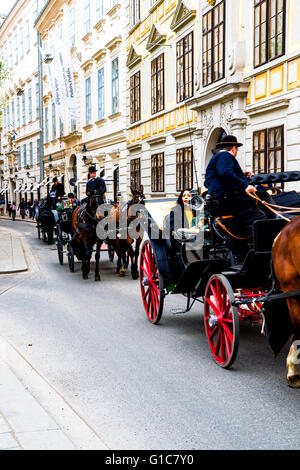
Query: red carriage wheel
[[221, 320], [151, 284]]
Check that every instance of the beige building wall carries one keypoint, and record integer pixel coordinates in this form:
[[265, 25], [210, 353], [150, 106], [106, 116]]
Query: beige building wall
[[20, 129], [92, 47], [162, 24]]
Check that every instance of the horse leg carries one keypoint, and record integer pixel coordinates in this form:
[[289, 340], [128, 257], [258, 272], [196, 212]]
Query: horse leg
[[86, 262], [293, 358], [97, 258], [134, 260]]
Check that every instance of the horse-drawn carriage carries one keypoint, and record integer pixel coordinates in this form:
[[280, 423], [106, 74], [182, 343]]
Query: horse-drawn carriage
[[198, 262]]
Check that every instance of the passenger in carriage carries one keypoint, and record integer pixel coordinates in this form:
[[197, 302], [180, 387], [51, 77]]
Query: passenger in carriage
[[229, 185], [181, 215]]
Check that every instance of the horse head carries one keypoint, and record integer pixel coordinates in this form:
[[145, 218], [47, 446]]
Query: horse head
[[137, 195], [95, 199]]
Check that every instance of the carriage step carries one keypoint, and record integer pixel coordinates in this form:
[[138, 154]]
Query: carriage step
[[177, 311]]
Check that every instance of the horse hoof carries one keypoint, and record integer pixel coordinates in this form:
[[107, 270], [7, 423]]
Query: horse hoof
[[122, 274], [294, 381], [97, 278], [135, 275], [84, 277]]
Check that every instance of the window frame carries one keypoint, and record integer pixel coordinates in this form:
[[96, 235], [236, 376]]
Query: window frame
[[88, 101], [158, 172], [186, 54], [210, 53], [101, 94], [135, 172], [135, 97], [158, 84], [267, 150], [268, 38], [181, 176], [115, 85]]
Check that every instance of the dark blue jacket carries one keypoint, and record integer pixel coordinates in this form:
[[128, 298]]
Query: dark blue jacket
[[224, 174], [97, 184]]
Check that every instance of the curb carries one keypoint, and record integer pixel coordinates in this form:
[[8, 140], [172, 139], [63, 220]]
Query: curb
[[19, 263], [74, 426], [18, 219]]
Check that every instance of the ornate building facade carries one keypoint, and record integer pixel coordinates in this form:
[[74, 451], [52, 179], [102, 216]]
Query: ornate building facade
[[247, 81], [20, 104]]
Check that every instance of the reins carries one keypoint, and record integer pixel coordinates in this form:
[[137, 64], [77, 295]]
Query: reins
[[229, 233], [271, 206]]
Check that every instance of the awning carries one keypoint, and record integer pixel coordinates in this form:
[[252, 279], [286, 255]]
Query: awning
[[40, 184]]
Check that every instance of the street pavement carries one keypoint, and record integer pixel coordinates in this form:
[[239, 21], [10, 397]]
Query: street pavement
[[110, 379]]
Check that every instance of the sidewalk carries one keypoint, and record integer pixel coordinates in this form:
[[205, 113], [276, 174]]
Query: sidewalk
[[17, 219], [24, 424], [12, 258]]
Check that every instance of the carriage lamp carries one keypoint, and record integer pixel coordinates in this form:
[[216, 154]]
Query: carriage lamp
[[50, 166], [48, 58], [50, 159], [20, 91]]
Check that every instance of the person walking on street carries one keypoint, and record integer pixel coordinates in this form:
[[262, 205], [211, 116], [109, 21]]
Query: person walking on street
[[22, 208], [35, 209], [13, 210], [30, 208], [2, 205], [9, 208]]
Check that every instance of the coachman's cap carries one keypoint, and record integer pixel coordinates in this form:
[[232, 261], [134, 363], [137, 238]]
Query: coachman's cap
[[227, 141], [54, 179], [71, 196], [92, 169]]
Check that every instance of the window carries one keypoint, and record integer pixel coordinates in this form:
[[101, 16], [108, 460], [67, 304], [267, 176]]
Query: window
[[88, 101], [157, 172], [46, 130], [135, 13], [53, 122], [185, 68], [10, 54], [13, 116], [73, 125], [21, 42], [18, 112], [213, 44], [184, 168], [268, 150], [269, 34], [19, 156], [99, 10], [37, 100], [157, 84], [8, 117], [23, 109], [16, 48], [135, 173], [72, 26], [135, 100], [61, 128], [87, 16], [30, 104], [115, 86], [27, 36], [25, 154], [101, 93], [31, 153]]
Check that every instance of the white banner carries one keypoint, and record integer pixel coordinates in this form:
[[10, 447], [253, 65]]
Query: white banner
[[65, 61]]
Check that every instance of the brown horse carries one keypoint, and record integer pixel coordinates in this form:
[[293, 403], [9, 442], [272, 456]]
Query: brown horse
[[84, 222], [286, 260], [121, 215]]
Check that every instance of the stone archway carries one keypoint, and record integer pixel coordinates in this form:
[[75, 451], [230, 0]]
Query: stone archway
[[214, 138]]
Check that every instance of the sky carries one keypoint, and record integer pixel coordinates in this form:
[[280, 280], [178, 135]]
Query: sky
[[6, 6]]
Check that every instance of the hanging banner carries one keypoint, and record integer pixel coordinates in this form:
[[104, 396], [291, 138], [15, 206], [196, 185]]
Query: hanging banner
[[64, 58], [56, 86]]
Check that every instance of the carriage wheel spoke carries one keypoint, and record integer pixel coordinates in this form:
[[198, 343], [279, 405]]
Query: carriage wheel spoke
[[212, 305]]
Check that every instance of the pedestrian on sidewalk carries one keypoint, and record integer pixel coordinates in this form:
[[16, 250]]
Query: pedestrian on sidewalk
[[13, 210], [2, 205], [9, 208], [22, 208], [30, 209], [35, 209]]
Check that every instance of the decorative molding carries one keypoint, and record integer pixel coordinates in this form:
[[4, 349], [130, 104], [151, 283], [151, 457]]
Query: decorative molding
[[87, 65], [156, 38], [273, 105], [160, 139], [182, 15], [101, 122], [134, 147], [133, 57], [113, 12], [99, 26], [183, 132], [115, 42], [115, 115], [156, 4], [87, 37], [99, 55]]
